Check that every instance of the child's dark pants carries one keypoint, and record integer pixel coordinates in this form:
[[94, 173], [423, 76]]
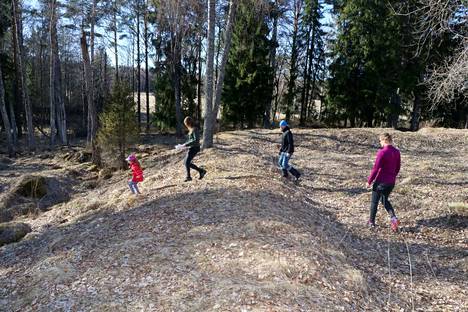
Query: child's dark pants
[[188, 160]]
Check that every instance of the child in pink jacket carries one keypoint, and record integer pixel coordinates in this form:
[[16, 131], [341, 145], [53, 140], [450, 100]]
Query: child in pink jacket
[[137, 174]]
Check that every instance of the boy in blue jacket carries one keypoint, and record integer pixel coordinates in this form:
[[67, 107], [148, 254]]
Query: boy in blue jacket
[[286, 151]]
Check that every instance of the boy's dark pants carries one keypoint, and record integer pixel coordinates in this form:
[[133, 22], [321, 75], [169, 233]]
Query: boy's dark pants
[[381, 192], [188, 160]]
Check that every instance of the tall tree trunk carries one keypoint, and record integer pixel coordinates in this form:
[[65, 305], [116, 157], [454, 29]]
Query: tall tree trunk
[[138, 64], [96, 157], [199, 80], [116, 43], [42, 86], [416, 114], [147, 72], [22, 74], [207, 126], [311, 98], [6, 121], [133, 67], [84, 101], [293, 68], [11, 110], [106, 75], [309, 92], [157, 70], [176, 76], [92, 32], [226, 49], [16, 109], [14, 129], [52, 72], [57, 106], [306, 82], [274, 40]]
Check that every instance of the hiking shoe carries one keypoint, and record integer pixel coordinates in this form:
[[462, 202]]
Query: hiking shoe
[[202, 173], [298, 176], [394, 222], [188, 179], [370, 224]]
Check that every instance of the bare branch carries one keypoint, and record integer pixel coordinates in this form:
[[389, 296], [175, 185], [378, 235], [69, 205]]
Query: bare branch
[[450, 79]]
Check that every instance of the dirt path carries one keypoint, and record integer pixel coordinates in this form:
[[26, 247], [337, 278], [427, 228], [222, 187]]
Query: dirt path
[[243, 239]]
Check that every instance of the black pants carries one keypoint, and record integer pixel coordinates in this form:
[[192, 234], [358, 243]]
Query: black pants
[[188, 160], [381, 192]]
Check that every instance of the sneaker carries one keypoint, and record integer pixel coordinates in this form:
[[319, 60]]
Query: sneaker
[[394, 222], [202, 173], [298, 176], [188, 179], [370, 224]]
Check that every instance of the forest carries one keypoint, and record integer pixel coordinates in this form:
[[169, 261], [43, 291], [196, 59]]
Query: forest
[[108, 71]]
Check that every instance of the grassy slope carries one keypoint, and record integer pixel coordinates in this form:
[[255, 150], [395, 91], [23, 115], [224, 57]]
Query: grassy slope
[[243, 239]]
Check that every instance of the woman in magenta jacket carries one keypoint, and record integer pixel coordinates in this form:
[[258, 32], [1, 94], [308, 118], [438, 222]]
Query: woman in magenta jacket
[[383, 177]]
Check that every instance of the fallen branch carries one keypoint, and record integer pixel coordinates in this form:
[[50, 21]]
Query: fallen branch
[[411, 276]]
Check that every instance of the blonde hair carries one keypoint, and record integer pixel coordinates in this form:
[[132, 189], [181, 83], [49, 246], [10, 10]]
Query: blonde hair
[[386, 137]]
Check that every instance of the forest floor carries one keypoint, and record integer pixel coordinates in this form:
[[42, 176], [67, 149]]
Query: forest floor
[[244, 239]]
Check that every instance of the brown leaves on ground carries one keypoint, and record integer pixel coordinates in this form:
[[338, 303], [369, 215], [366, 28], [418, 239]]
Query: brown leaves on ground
[[244, 239]]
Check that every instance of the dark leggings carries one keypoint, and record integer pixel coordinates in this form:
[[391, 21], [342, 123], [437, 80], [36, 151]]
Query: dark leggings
[[381, 192], [188, 160]]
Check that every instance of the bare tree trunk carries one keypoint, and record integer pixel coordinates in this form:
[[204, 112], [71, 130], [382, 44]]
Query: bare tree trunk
[[84, 101], [294, 53], [138, 64], [311, 100], [199, 82], [11, 110], [176, 80], [147, 72], [116, 42], [133, 67], [23, 84], [52, 72], [157, 70], [226, 49], [209, 127], [416, 114], [92, 32], [6, 121], [14, 129], [96, 157], [42, 86], [309, 94], [57, 106], [106, 75], [18, 108], [274, 40], [306, 81]]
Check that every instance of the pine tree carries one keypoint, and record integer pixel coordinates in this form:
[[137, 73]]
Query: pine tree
[[366, 65], [247, 84], [119, 126]]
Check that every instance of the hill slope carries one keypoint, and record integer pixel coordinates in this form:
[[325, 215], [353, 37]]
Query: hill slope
[[243, 239]]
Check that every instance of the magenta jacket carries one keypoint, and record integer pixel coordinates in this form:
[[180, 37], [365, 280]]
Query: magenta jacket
[[386, 167]]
